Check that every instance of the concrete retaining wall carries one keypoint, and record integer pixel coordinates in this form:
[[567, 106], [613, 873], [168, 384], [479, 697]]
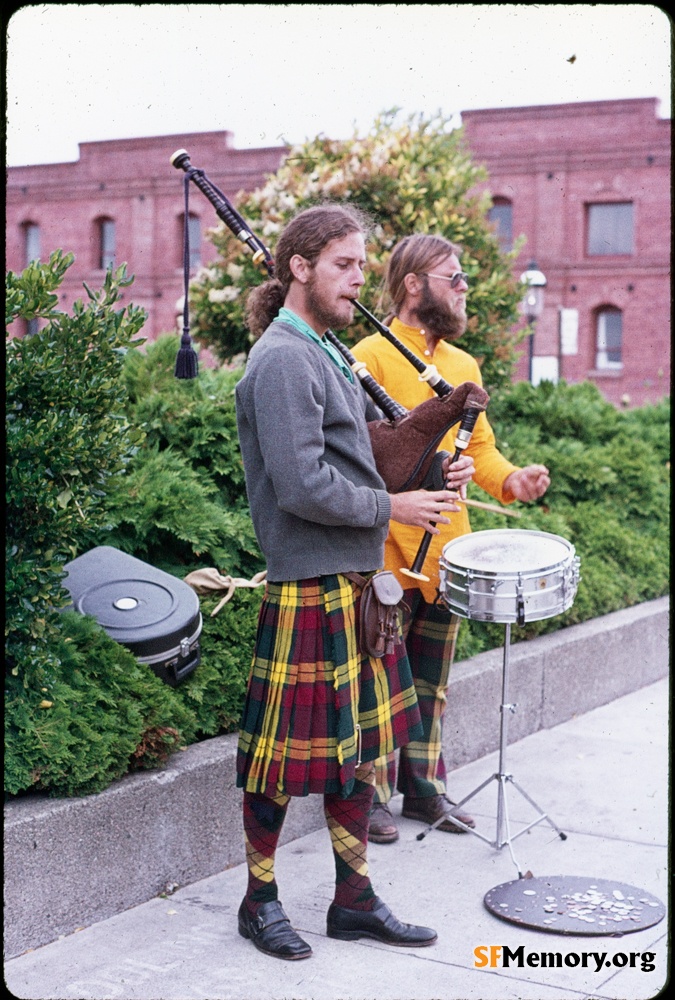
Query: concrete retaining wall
[[72, 862]]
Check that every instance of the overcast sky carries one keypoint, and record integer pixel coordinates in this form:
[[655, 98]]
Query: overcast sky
[[275, 74]]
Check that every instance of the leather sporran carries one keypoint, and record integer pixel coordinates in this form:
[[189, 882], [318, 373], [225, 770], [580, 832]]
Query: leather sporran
[[379, 623]]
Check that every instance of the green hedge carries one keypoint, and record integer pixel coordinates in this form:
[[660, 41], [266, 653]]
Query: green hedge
[[154, 468], [66, 436]]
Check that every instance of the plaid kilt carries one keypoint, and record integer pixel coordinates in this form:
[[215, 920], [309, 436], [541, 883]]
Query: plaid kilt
[[315, 707], [431, 635]]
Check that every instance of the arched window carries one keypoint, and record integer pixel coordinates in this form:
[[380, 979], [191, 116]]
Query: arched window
[[608, 337], [106, 243], [501, 214], [31, 242], [194, 238]]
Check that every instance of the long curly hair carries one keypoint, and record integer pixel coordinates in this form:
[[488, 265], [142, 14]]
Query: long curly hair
[[306, 234]]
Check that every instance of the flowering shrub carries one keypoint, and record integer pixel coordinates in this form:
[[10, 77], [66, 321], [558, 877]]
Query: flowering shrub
[[414, 176]]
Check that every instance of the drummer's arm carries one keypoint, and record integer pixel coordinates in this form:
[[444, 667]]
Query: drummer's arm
[[493, 470]]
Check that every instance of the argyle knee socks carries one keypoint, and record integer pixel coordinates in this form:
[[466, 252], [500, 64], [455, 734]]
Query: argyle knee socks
[[263, 820], [348, 826]]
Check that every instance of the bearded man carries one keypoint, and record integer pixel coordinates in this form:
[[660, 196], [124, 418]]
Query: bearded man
[[318, 710], [428, 290]]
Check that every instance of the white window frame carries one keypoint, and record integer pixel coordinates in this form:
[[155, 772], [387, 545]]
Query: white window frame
[[602, 362]]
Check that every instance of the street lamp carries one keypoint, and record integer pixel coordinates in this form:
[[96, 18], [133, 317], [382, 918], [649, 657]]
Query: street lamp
[[533, 303]]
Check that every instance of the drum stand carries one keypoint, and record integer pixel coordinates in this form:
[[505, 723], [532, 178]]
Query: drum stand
[[502, 777]]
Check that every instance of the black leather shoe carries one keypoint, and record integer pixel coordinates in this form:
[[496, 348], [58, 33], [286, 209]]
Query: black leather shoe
[[378, 923], [431, 809], [271, 932]]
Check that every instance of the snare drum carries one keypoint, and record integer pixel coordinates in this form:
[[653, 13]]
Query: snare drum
[[508, 575]]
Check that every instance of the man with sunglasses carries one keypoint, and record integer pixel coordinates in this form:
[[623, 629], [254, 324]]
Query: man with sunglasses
[[428, 290]]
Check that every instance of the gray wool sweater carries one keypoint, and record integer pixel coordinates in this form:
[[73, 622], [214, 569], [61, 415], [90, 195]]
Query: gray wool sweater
[[318, 504]]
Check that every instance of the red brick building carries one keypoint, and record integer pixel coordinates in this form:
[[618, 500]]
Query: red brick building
[[587, 184], [123, 201]]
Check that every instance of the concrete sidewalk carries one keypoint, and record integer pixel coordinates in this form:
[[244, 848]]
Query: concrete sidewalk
[[602, 777]]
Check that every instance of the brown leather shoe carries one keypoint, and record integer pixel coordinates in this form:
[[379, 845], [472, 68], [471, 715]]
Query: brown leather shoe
[[430, 809], [382, 828]]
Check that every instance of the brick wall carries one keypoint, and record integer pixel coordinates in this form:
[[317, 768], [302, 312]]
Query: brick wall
[[132, 182], [549, 162], [552, 162]]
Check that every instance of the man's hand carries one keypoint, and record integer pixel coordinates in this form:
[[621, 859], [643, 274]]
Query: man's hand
[[529, 483], [423, 508], [458, 474]]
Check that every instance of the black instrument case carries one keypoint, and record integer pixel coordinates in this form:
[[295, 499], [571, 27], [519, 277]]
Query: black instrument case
[[153, 614]]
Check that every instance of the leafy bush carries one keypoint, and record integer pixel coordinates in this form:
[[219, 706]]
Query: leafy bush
[[103, 715], [215, 691], [411, 177], [182, 500], [66, 435], [154, 463], [80, 710], [165, 483]]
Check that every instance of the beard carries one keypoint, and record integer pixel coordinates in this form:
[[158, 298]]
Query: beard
[[327, 312], [439, 319]]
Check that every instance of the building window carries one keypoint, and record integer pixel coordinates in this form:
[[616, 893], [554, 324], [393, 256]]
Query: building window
[[31, 242], [106, 244], [195, 237], [610, 228], [609, 333], [194, 234], [501, 214]]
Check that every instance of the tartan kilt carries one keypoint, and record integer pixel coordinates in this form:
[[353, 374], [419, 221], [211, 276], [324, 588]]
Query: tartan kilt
[[315, 706]]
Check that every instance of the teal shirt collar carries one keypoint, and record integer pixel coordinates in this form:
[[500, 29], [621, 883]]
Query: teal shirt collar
[[288, 316]]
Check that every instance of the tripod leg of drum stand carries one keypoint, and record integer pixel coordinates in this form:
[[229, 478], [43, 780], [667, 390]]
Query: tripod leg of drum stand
[[503, 831], [503, 836], [500, 777]]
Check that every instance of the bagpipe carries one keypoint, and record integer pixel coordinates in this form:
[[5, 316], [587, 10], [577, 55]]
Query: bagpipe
[[404, 442]]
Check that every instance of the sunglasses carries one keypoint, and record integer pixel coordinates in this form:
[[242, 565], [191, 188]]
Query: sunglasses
[[454, 279]]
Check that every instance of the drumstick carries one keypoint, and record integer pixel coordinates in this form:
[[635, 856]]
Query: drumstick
[[493, 508]]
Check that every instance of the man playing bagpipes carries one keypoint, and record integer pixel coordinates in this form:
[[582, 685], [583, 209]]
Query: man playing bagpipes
[[428, 289], [318, 711]]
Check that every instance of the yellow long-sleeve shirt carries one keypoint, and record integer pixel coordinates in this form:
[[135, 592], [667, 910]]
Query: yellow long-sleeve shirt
[[398, 377]]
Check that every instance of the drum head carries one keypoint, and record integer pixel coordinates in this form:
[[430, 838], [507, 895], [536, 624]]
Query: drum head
[[507, 551]]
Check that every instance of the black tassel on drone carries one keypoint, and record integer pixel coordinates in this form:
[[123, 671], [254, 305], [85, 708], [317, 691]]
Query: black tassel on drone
[[187, 365]]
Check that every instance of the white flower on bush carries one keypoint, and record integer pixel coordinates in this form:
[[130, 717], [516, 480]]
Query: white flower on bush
[[383, 152], [204, 275], [234, 271], [228, 294], [355, 166], [286, 202]]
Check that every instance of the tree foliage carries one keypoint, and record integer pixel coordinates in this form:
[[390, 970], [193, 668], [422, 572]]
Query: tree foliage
[[411, 176]]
